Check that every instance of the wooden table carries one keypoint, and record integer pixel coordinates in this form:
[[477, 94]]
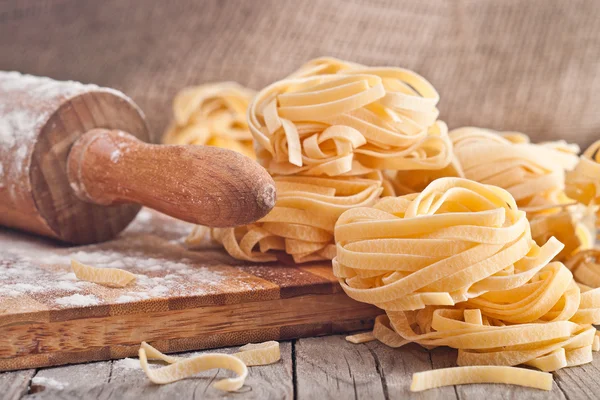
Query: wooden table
[[316, 368]]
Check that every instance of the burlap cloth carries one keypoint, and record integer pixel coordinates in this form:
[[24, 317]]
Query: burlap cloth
[[527, 65]]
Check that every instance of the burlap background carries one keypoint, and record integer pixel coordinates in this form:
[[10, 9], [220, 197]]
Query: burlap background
[[528, 65]]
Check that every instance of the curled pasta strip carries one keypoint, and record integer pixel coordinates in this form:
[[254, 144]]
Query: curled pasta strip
[[249, 355], [455, 265], [301, 223], [331, 114], [585, 266], [212, 114], [583, 183], [183, 368], [534, 174], [111, 277]]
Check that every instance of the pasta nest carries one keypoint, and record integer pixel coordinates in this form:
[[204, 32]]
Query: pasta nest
[[212, 114], [534, 174], [326, 133], [455, 265], [301, 223], [357, 118]]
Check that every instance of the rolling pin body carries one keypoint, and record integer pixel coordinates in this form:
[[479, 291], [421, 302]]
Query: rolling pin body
[[89, 194]]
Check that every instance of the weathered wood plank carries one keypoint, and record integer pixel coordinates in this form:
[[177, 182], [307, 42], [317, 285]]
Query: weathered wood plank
[[444, 357], [71, 382], [396, 367], [581, 382], [274, 381], [13, 385], [332, 368]]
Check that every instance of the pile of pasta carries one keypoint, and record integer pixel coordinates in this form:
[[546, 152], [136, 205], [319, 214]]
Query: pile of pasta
[[535, 176], [583, 185], [326, 134], [455, 265], [214, 115]]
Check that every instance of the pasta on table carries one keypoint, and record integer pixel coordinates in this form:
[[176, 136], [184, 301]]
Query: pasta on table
[[455, 265]]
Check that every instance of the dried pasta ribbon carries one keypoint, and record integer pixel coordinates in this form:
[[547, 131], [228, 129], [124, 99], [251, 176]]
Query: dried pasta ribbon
[[583, 183], [359, 338], [180, 368], [534, 174], [586, 267], [455, 265], [259, 353], [191, 366], [331, 114], [301, 223], [212, 114], [111, 277], [489, 374]]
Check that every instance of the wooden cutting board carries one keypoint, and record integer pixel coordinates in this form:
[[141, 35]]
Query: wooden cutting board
[[181, 300]]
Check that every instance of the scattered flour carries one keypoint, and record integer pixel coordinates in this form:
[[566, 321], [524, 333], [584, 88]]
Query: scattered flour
[[48, 383], [66, 285], [127, 363], [78, 300], [115, 155]]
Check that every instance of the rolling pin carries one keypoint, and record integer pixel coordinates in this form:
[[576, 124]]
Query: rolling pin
[[74, 166]]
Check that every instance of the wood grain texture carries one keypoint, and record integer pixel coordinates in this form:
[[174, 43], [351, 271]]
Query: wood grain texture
[[306, 366], [71, 382], [580, 382], [13, 385], [199, 184], [527, 65], [332, 368], [396, 366], [181, 300]]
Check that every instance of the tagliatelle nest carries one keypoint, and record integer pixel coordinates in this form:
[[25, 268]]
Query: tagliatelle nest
[[214, 115], [325, 134], [456, 266], [534, 174], [384, 118]]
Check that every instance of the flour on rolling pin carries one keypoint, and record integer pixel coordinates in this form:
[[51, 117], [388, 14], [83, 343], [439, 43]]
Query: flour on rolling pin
[[18, 125], [75, 155]]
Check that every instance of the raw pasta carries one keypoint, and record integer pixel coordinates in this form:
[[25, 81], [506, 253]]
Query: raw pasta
[[489, 374], [456, 266], [302, 222], [212, 114], [111, 277], [583, 183], [534, 174], [325, 134], [180, 368], [586, 267]]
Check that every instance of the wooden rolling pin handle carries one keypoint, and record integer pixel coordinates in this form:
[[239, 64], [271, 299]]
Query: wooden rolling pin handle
[[199, 184]]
